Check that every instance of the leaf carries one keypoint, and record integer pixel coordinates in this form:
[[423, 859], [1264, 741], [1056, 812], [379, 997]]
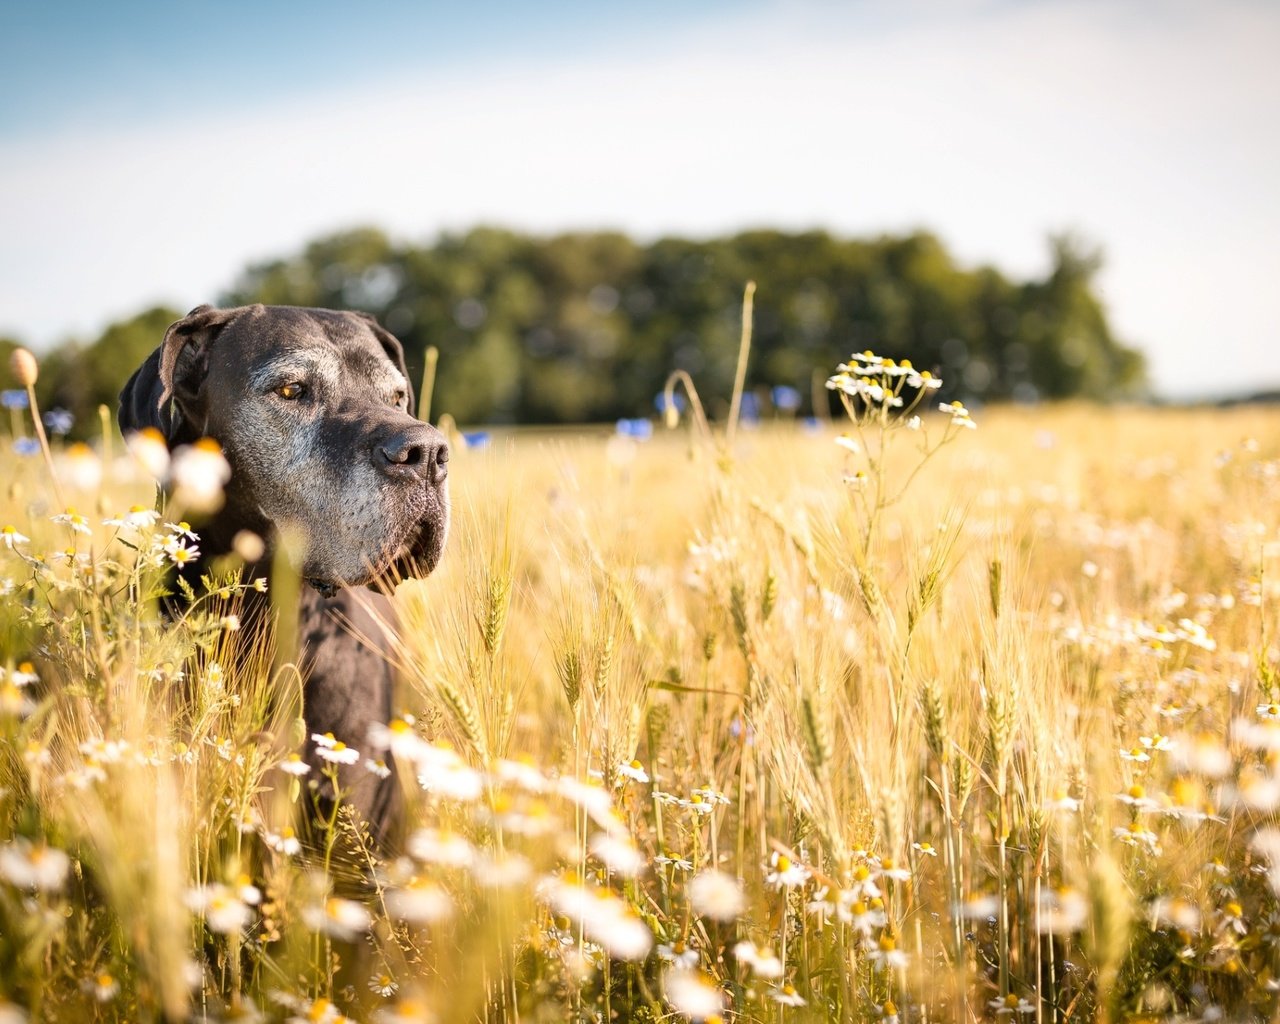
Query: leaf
[[186, 589], [663, 684]]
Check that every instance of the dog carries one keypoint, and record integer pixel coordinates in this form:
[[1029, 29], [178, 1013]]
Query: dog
[[314, 411]]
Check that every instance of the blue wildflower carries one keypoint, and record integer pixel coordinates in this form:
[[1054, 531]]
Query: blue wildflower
[[476, 439], [785, 398], [59, 421], [26, 446], [14, 398], [639, 430]]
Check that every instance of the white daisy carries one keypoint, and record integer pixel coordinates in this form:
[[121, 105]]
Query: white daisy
[[294, 765], [337, 917]]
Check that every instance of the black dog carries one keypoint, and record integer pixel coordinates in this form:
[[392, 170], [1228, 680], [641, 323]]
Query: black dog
[[314, 411]]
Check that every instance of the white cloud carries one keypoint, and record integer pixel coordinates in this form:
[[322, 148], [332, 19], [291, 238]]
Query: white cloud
[[1151, 137]]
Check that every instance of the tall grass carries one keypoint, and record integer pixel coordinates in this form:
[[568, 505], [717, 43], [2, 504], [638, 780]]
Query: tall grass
[[688, 732]]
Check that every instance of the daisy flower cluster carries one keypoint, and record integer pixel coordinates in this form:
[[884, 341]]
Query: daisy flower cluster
[[883, 398], [880, 383]]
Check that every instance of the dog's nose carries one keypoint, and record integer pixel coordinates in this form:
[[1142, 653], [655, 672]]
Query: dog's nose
[[417, 453]]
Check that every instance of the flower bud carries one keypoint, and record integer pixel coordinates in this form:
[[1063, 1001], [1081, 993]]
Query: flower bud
[[22, 364], [249, 546]]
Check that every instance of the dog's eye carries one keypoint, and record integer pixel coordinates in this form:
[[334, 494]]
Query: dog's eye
[[402, 399], [290, 392]]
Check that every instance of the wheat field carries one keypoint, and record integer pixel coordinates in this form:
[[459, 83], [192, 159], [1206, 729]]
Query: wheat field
[[878, 719]]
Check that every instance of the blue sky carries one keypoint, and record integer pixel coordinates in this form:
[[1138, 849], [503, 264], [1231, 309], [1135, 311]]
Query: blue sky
[[64, 65], [148, 152]]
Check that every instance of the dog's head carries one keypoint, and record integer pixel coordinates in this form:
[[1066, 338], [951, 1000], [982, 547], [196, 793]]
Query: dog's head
[[314, 411]]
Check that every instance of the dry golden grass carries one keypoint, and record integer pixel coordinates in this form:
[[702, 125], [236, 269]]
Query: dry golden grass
[[904, 737]]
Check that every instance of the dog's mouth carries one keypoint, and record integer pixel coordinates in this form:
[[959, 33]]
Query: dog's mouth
[[419, 557], [325, 588], [414, 558]]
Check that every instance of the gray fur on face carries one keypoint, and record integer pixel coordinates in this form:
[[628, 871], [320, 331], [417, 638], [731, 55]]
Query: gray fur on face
[[312, 462], [312, 408]]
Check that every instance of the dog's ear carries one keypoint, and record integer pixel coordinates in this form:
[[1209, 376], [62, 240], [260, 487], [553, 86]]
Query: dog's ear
[[171, 376], [394, 350], [184, 354], [141, 405]]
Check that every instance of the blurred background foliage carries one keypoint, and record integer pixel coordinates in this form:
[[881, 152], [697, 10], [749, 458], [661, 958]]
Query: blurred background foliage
[[585, 327]]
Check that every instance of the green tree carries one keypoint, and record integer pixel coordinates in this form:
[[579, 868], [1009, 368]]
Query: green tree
[[586, 326], [1071, 350], [80, 378], [7, 345]]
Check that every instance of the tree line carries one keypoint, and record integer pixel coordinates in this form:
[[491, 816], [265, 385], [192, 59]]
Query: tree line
[[586, 327]]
